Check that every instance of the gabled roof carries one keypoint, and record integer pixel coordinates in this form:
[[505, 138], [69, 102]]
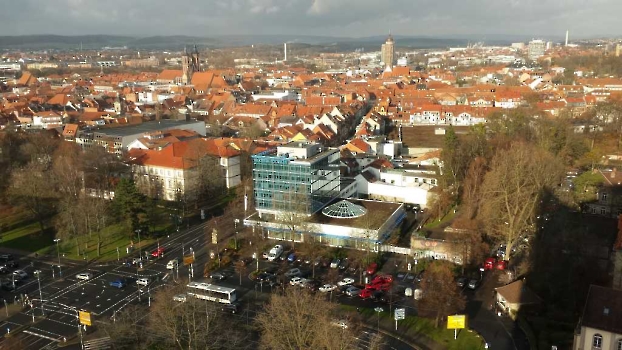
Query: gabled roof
[[517, 292], [603, 309]]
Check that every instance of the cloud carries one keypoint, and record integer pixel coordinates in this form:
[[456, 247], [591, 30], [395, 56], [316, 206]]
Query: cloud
[[351, 18]]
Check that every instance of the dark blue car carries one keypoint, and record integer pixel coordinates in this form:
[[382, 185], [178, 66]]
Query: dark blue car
[[291, 257], [118, 283]]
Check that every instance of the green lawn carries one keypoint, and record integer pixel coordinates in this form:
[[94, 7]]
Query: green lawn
[[20, 231], [447, 218], [413, 325]]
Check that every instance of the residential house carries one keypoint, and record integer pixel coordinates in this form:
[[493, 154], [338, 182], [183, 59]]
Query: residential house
[[516, 296], [600, 327], [608, 201]]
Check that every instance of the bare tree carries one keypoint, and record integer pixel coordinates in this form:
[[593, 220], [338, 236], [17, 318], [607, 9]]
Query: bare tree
[[513, 189], [440, 292], [301, 320], [32, 187]]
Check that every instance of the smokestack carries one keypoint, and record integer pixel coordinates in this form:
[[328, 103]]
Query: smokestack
[[566, 38], [285, 52]]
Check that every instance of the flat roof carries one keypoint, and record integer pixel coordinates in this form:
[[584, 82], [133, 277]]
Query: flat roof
[[145, 127], [377, 214]]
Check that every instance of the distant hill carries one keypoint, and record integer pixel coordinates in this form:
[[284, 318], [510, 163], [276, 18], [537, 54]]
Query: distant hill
[[38, 42]]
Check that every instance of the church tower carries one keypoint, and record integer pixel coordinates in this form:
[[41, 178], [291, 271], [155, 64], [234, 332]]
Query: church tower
[[186, 68], [388, 53], [196, 63]]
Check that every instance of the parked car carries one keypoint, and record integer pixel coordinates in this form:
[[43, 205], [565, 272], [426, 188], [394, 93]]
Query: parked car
[[180, 298], [158, 253], [327, 288], [218, 276], [379, 296], [143, 282], [366, 293], [380, 285], [473, 284], [136, 260], [265, 255], [6, 257], [118, 283], [172, 264], [490, 263], [20, 274], [344, 264], [353, 291], [295, 272], [382, 279], [7, 285], [230, 308], [84, 276], [312, 285], [461, 282], [340, 323], [371, 269], [12, 264], [335, 263], [291, 257], [346, 281], [296, 281], [264, 277], [502, 265], [4, 269]]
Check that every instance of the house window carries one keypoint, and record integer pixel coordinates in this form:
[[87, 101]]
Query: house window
[[619, 345], [593, 210], [603, 211], [597, 341], [604, 197]]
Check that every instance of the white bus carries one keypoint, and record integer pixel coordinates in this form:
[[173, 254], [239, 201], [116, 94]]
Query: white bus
[[212, 292]]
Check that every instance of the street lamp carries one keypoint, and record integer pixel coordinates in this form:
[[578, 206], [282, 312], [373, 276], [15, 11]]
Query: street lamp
[[60, 271], [140, 252], [236, 222], [378, 311], [40, 293]]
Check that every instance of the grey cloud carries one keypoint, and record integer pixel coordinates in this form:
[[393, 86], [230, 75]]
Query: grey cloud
[[352, 18]]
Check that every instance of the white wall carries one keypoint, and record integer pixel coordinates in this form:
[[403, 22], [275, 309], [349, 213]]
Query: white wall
[[387, 192]]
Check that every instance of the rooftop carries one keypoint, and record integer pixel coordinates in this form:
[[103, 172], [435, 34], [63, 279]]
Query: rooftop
[[603, 309], [145, 127]]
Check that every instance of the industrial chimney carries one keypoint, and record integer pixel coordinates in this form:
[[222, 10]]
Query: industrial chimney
[[285, 52]]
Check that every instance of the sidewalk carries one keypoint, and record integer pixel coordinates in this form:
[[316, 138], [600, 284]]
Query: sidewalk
[[387, 327]]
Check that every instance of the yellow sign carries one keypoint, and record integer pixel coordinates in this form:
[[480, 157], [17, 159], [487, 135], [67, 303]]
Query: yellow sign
[[85, 318], [456, 322], [188, 259]]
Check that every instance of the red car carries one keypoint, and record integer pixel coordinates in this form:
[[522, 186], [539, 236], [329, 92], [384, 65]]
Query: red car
[[382, 279], [385, 286], [366, 293], [490, 263], [372, 268], [158, 253], [502, 265]]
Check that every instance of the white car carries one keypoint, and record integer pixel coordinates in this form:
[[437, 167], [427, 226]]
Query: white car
[[180, 298], [327, 288], [296, 280], [85, 276], [142, 282], [172, 264], [345, 281], [341, 323]]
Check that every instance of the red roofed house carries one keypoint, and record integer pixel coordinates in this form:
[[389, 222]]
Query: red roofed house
[[185, 168]]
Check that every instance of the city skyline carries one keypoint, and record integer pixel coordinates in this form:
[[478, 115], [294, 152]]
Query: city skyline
[[313, 17]]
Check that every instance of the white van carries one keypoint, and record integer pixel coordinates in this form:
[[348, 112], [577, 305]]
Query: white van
[[172, 264], [275, 252], [142, 282]]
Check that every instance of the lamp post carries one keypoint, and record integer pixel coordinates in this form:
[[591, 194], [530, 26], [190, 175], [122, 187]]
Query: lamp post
[[236, 222], [378, 311], [140, 250], [40, 293], [60, 271]]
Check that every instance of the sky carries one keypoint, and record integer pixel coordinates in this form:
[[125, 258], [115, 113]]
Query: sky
[[337, 18]]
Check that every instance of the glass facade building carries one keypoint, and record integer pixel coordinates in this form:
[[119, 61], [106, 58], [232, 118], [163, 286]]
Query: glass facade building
[[298, 177]]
